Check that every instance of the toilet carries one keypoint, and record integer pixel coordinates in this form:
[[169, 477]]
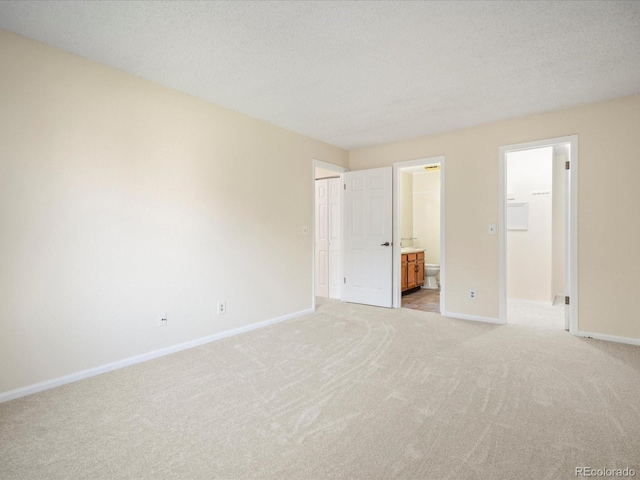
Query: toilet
[[431, 270]]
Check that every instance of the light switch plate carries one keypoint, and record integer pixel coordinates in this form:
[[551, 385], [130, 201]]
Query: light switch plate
[[492, 229]]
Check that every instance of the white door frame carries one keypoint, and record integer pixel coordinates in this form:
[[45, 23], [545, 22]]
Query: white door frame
[[571, 224], [339, 170], [397, 286]]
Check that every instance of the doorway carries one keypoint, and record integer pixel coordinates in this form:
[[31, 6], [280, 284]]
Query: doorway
[[327, 230], [538, 235], [328, 235], [419, 233]]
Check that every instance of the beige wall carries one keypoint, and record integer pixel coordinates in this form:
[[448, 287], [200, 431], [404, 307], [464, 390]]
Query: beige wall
[[121, 199], [406, 208], [608, 233], [426, 213], [324, 173]]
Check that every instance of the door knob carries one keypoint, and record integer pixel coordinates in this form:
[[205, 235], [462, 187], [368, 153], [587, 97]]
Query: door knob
[[385, 244]]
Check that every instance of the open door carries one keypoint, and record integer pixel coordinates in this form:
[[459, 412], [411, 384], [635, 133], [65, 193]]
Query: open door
[[368, 253]]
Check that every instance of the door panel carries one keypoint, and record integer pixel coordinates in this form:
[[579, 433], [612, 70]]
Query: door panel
[[335, 236], [420, 271], [411, 274], [322, 240], [368, 226]]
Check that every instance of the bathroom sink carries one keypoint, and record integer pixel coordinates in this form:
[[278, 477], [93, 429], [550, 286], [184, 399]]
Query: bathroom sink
[[411, 250]]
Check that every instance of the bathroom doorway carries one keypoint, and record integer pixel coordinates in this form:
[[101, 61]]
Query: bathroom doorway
[[419, 232], [538, 278]]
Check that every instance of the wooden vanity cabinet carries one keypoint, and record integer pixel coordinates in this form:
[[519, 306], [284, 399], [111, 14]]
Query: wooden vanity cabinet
[[412, 271]]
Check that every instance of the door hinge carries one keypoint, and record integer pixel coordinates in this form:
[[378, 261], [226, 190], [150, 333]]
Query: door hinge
[[345, 279], [567, 165], [344, 185], [567, 301]]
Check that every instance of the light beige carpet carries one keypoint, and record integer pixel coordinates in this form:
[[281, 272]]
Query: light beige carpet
[[538, 315], [348, 392]]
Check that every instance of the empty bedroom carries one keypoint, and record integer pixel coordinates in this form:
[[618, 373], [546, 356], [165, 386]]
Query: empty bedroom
[[292, 240]]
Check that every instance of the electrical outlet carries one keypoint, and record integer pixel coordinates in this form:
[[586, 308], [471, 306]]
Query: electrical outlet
[[222, 307], [472, 294], [162, 320]]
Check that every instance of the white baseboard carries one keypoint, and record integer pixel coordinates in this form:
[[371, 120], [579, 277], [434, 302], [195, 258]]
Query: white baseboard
[[475, 318], [91, 372], [533, 302], [609, 338]]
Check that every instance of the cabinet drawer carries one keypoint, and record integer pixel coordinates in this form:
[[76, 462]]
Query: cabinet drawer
[[420, 255], [411, 257]]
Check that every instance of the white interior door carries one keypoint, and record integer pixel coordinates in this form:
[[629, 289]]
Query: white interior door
[[335, 236], [322, 239], [368, 257]]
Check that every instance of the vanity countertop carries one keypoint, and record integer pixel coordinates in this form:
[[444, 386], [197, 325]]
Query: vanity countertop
[[411, 250]]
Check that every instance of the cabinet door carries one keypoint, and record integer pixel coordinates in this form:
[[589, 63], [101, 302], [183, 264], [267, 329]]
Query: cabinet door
[[420, 273], [420, 269], [411, 274], [403, 274]]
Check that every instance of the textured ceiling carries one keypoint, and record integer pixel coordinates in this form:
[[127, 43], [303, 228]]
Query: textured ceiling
[[356, 74]]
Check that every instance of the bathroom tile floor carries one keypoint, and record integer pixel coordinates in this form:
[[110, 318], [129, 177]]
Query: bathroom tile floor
[[422, 299]]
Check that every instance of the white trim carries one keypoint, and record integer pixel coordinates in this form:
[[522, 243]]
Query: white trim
[[92, 372], [609, 338], [545, 303], [334, 168], [573, 237], [475, 318], [397, 166], [571, 223]]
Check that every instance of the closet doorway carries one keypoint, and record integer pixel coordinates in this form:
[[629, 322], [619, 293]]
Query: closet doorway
[[538, 233], [327, 230]]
